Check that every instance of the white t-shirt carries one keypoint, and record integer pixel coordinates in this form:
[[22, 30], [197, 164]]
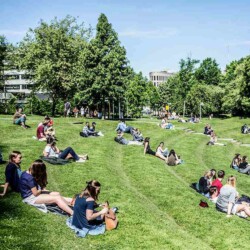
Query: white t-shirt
[[51, 153]]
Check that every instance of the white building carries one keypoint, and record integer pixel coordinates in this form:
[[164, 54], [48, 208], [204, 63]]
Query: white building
[[159, 77]]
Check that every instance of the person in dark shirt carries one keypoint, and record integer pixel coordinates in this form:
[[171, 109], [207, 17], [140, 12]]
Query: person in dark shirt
[[244, 167], [204, 183], [12, 172], [85, 216], [32, 186]]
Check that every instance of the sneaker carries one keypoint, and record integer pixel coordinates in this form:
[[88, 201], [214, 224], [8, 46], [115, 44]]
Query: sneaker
[[80, 160], [115, 209]]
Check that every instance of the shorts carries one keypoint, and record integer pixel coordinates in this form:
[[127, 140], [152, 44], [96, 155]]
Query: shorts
[[31, 200], [234, 209]]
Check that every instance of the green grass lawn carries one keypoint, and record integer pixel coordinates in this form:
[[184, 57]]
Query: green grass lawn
[[157, 209]]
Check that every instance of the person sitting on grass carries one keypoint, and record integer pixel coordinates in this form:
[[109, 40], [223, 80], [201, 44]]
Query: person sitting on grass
[[93, 132], [137, 135], [226, 201], [120, 139], [51, 150], [213, 175], [213, 194], [208, 129], [173, 159], [32, 187], [123, 127], [148, 150], [236, 162], [161, 150], [19, 118], [204, 183], [218, 182], [213, 140], [40, 131], [244, 167], [12, 172], [87, 220]]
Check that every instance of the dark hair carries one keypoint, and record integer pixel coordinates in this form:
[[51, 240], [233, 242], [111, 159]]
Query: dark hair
[[212, 190], [172, 152], [146, 139], [221, 174], [13, 155], [213, 176], [50, 140], [38, 171], [90, 190]]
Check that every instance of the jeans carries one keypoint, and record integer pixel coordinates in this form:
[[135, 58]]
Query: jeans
[[20, 120], [94, 230], [67, 151], [244, 171]]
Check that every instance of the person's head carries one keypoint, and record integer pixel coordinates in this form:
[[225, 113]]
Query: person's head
[[147, 139], [46, 120], [92, 189], [231, 181], [20, 110], [15, 157], [171, 152], [161, 144], [208, 174], [221, 174], [38, 171], [244, 158], [93, 124], [87, 124], [51, 141], [213, 191], [237, 156], [213, 173]]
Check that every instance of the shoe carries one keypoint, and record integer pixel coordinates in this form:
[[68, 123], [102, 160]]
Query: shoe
[[115, 209], [85, 157], [80, 160]]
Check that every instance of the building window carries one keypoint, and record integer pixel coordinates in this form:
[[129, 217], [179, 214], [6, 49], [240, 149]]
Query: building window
[[11, 77], [9, 87]]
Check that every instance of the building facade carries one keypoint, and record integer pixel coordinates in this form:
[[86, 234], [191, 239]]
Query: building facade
[[159, 77]]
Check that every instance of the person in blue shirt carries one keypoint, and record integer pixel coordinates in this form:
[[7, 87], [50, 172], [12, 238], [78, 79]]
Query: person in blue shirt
[[12, 172], [123, 127], [86, 220], [32, 188]]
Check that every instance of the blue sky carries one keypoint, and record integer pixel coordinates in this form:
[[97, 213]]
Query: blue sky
[[156, 34]]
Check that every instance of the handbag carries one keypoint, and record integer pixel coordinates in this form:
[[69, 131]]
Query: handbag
[[111, 220], [203, 203]]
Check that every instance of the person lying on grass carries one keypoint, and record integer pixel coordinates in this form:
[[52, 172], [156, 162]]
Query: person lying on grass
[[173, 159], [227, 199], [162, 151], [32, 187], [85, 218], [148, 150], [120, 139], [12, 172], [51, 150], [244, 167]]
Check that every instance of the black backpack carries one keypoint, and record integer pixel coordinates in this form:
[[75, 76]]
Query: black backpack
[[54, 160]]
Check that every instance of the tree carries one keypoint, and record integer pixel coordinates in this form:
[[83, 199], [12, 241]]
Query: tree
[[208, 72], [50, 53], [3, 53], [106, 71]]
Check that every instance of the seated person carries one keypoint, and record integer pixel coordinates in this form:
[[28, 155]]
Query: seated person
[[93, 132], [87, 220], [208, 129], [40, 131], [236, 162], [123, 127], [51, 150], [218, 182], [244, 167], [204, 183], [137, 135], [162, 151], [226, 201], [19, 118], [148, 150], [89, 131], [13, 172], [213, 140], [245, 129], [173, 159], [120, 139], [213, 194], [32, 187]]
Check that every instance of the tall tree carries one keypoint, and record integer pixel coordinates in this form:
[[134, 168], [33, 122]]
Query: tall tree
[[50, 53], [3, 53], [106, 71], [208, 72]]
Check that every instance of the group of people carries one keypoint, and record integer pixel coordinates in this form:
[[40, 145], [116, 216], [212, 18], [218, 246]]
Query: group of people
[[32, 183], [166, 124], [240, 164], [225, 196], [90, 130]]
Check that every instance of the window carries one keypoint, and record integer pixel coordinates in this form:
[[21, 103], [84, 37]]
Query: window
[[9, 87], [11, 77]]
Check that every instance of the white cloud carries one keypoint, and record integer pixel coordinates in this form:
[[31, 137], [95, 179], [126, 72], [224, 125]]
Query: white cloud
[[12, 32], [157, 33]]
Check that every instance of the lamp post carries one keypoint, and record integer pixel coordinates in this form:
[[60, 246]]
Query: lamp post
[[201, 104]]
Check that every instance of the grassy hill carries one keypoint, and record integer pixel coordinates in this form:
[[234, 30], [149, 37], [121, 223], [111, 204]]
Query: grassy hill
[[157, 208]]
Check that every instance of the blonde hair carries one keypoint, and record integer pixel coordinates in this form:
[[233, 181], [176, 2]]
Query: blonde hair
[[208, 174], [231, 181]]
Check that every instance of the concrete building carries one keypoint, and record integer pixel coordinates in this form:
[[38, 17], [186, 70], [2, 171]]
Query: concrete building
[[159, 77]]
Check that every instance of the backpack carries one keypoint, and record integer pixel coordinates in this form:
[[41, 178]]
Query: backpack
[[54, 160], [83, 134]]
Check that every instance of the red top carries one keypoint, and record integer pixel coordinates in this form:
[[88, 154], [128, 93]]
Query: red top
[[217, 183], [39, 131]]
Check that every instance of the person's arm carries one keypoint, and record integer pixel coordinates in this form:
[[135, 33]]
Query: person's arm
[[229, 209], [145, 147], [35, 191], [4, 189], [90, 215], [57, 150]]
